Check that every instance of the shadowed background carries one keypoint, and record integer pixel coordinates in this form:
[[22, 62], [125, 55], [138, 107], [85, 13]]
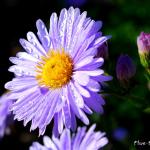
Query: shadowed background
[[126, 115]]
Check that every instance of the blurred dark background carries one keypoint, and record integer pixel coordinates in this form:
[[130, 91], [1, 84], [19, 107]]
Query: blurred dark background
[[126, 113]]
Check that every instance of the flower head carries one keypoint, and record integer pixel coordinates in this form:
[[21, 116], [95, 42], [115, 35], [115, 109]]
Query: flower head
[[5, 104], [125, 68], [82, 140], [143, 43], [58, 77]]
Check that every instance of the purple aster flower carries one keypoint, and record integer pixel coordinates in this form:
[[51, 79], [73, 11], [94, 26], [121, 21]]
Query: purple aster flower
[[125, 68], [143, 43], [82, 140], [58, 76], [5, 104]]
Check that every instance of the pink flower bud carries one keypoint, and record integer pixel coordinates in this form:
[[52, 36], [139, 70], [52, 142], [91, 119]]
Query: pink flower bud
[[143, 43]]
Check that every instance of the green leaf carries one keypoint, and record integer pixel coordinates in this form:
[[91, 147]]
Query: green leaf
[[147, 110]]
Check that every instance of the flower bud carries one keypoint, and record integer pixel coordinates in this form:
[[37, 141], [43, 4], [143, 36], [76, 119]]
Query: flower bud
[[103, 51], [143, 43], [125, 68]]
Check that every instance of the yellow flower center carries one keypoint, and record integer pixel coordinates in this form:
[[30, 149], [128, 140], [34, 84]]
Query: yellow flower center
[[55, 70]]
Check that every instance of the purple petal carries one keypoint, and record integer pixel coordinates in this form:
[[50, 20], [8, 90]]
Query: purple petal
[[99, 41], [83, 62], [77, 30], [60, 121], [49, 143], [62, 23], [93, 86], [80, 114], [69, 27], [53, 31], [67, 114], [82, 90], [95, 102], [43, 35], [78, 99], [65, 140], [78, 138], [34, 41], [73, 120], [93, 65], [79, 76]]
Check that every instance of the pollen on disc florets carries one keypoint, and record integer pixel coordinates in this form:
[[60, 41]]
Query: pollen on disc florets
[[55, 69]]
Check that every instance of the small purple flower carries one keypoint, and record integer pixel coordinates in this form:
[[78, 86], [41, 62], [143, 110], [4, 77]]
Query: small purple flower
[[125, 68], [58, 77], [103, 51], [143, 43], [5, 104], [120, 134], [81, 141]]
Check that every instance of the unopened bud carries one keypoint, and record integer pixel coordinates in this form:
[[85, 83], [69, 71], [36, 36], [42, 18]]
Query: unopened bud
[[103, 51], [143, 43], [125, 68]]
